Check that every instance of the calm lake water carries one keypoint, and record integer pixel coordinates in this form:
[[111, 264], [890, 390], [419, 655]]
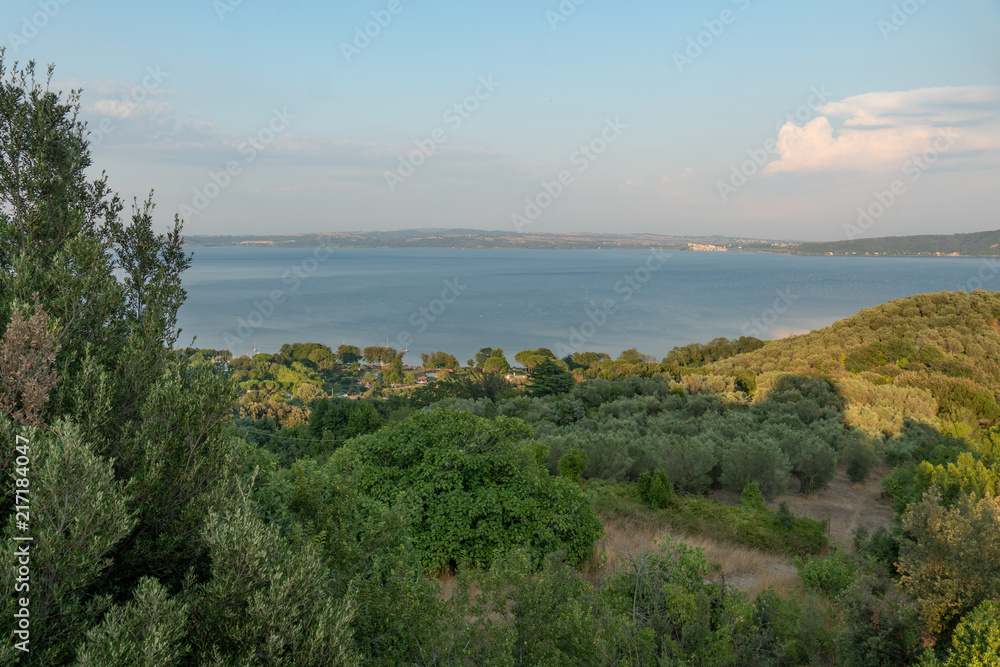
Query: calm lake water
[[567, 300]]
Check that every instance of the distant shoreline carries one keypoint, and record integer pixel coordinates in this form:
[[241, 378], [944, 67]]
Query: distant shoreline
[[975, 245]]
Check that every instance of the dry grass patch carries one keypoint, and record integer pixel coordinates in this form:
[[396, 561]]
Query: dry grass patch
[[749, 570]]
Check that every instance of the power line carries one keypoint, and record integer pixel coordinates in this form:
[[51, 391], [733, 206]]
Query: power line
[[248, 429]]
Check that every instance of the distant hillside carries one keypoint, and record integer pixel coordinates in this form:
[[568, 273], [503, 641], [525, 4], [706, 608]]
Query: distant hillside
[[931, 357], [978, 244], [460, 238]]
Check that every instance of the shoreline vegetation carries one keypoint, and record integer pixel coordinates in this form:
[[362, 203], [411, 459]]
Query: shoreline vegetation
[[978, 244]]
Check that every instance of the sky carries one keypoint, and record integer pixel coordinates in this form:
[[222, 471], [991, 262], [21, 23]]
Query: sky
[[742, 118]]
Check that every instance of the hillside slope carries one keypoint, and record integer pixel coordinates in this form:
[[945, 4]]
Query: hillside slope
[[931, 357], [977, 244]]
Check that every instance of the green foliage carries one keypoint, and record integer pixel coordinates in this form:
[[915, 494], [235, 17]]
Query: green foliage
[[470, 490], [860, 458], [440, 360], [656, 490], [751, 497], [540, 454], [976, 640], [756, 460], [549, 378], [693, 515], [496, 363], [664, 592], [552, 615], [79, 514], [950, 558], [366, 548], [531, 358], [572, 464], [782, 631], [566, 411], [266, 603], [761, 529], [376, 354], [349, 354], [148, 631], [696, 355], [882, 547], [880, 626], [830, 576]]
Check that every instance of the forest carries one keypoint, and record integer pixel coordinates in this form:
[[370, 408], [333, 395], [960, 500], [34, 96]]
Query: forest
[[173, 506]]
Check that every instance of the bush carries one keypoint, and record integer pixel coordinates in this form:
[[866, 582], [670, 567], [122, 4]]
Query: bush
[[656, 490], [881, 625], [572, 464], [752, 498], [566, 411], [665, 592], [860, 458], [470, 489], [785, 518], [830, 576]]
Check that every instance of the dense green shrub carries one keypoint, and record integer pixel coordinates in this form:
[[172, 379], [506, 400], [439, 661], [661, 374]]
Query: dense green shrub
[[880, 626], [860, 458], [470, 489], [656, 490], [751, 497], [976, 640], [665, 591], [572, 464], [830, 575]]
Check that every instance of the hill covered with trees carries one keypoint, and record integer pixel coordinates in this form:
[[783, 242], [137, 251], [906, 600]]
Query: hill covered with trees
[[976, 244]]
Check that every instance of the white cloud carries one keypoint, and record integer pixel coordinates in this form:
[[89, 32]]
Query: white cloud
[[879, 131]]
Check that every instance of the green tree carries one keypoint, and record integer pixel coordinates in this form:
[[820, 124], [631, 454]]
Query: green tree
[[976, 640], [363, 419], [950, 558], [132, 460], [531, 358], [348, 354], [497, 363], [549, 378], [470, 489], [572, 464], [483, 354], [79, 514], [635, 356]]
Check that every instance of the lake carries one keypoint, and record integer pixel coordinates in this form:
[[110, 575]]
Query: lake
[[459, 301]]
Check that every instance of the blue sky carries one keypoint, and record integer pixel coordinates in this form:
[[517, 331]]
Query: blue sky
[[265, 117]]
